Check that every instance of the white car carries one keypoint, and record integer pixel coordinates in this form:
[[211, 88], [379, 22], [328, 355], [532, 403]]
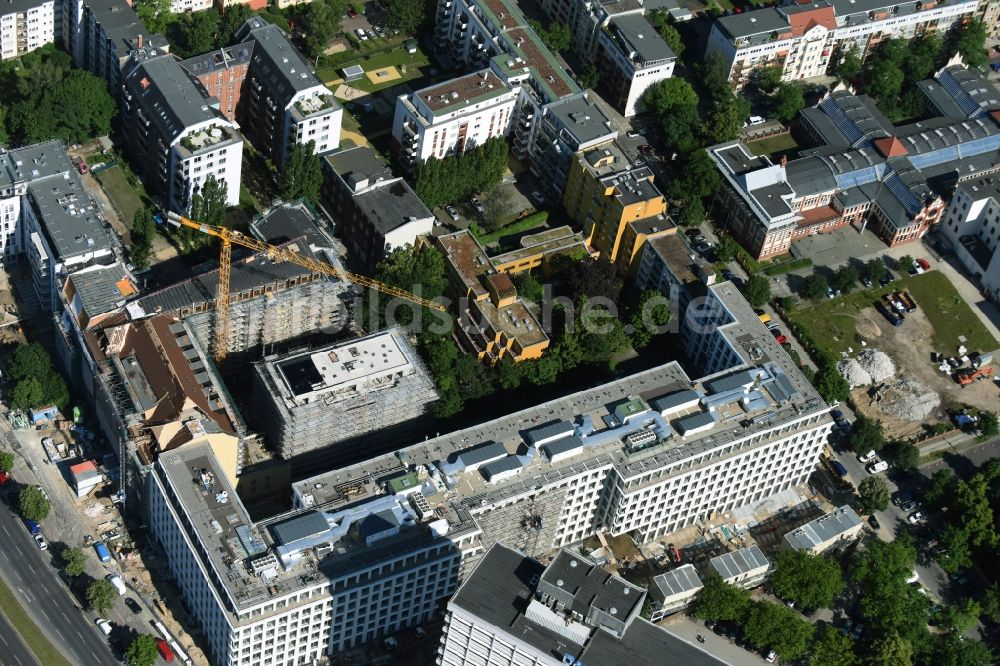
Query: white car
[[877, 467], [913, 577], [103, 625], [362, 35], [916, 517], [40, 541], [867, 457], [771, 656], [632, 134]]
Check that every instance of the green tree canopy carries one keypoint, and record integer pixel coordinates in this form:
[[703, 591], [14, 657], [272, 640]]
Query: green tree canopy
[[27, 394], [302, 173], [788, 101], [811, 581], [815, 286], [664, 25], [233, 19], [693, 214], [320, 21], [970, 40], [142, 651], [845, 279], [650, 314], [33, 503], [74, 561], [849, 66], [875, 269], [407, 16], [906, 456], [775, 626], [758, 290], [960, 616], [874, 494], [719, 600], [832, 648], [6, 461], [456, 178], [154, 14], [891, 650], [29, 360], [987, 424], [589, 76], [940, 491], [952, 649], [830, 384], [208, 206], [556, 37], [142, 234], [867, 435], [101, 595]]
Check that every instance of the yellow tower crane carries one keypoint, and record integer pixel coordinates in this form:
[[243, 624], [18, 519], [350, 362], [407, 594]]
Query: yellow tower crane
[[229, 236]]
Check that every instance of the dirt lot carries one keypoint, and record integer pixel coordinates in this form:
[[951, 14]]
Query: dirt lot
[[910, 347]]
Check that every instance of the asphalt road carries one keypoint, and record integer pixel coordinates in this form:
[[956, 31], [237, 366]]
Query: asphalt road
[[965, 462], [43, 595], [13, 650]]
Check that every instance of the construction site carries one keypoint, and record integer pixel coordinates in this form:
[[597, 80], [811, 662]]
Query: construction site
[[326, 397]]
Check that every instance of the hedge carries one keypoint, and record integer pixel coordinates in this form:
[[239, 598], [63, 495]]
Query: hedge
[[788, 266]]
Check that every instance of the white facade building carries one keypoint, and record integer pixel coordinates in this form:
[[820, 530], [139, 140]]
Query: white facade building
[[453, 116], [181, 6], [805, 40], [634, 57], [295, 590], [972, 225], [26, 25]]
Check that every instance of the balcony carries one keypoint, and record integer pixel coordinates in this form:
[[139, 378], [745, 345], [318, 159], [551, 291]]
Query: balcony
[[206, 138], [311, 105]]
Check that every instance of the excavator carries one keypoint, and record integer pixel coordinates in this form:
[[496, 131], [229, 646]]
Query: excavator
[[966, 376], [229, 237]]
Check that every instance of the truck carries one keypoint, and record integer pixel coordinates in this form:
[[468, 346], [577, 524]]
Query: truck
[[102, 551], [906, 300], [164, 649]]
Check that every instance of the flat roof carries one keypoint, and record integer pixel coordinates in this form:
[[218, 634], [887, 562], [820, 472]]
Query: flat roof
[[391, 205], [825, 528], [468, 259], [104, 289], [462, 91], [678, 581], [740, 562], [582, 118], [638, 36]]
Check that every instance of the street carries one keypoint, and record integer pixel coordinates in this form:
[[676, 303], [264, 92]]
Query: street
[[27, 572], [13, 652]]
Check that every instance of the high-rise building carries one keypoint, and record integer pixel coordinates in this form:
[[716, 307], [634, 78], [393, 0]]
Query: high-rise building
[[26, 25], [513, 609], [633, 57]]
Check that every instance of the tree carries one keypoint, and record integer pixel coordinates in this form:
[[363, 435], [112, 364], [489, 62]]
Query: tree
[[669, 94], [811, 581], [788, 101], [233, 19], [953, 649], [528, 287], [874, 494], [904, 263], [970, 41], [891, 650], [154, 14], [758, 290], [508, 373], [941, 489], [557, 37], [302, 173], [27, 394], [867, 435], [832, 648], [906, 456], [594, 278], [875, 270], [6, 461], [496, 207], [458, 177], [33, 503], [830, 384], [320, 21], [142, 651], [74, 561], [815, 286], [885, 601], [143, 231], [850, 64], [589, 77], [699, 177], [208, 206], [648, 317], [719, 600], [770, 625], [766, 79], [672, 38], [987, 424], [101, 595], [693, 214], [845, 279], [921, 57], [884, 82], [990, 603], [727, 249], [29, 360], [543, 370], [199, 36], [406, 15], [960, 616], [725, 120]]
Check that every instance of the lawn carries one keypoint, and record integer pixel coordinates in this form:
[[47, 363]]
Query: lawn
[[386, 55], [124, 198], [831, 323], [782, 142], [44, 650]]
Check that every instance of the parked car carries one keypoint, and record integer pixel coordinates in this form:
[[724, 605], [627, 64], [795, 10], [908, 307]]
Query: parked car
[[873, 521], [781, 339], [632, 134], [103, 625], [776, 332], [702, 247], [837, 415], [692, 233], [887, 278], [478, 205], [877, 467], [866, 281], [32, 526], [832, 293], [909, 505], [40, 542], [452, 212], [82, 168], [4, 478], [133, 605], [916, 518], [362, 35], [771, 656], [351, 12], [902, 497], [728, 274], [866, 457]]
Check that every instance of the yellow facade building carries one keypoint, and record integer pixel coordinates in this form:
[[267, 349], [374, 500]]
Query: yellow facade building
[[616, 204]]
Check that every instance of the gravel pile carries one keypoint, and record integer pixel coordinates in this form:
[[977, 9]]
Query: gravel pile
[[908, 400], [877, 364], [854, 373]]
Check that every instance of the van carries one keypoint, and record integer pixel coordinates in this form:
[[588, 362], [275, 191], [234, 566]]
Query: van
[[119, 584], [32, 526], [102, 551], [880, 466], [164, 649]]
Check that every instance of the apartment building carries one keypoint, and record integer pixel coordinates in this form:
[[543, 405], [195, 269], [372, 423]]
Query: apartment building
[[552, 118], [175, 138], [100, 35], [283, 103], [512, 609], [378, 213], [493, 321], [308, 584], [189, 6], [633, 57], [48, 217], [540, 249], [26, 25], [222, 74], [805, 39], [310, 401], [453, 116], [668, 266], [616, 204], [972, 225], [255, 5], [864, 171], [586, 20], [989, 14]]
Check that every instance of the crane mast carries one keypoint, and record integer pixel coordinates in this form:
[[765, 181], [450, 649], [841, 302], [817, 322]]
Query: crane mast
[[228, 237]]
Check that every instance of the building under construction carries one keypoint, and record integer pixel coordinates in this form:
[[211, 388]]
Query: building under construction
[[327, 398], [271, 302]]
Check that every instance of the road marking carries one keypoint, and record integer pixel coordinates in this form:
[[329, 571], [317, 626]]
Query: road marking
[[78, 633], [18, 659], [63, 613], [3, 639]]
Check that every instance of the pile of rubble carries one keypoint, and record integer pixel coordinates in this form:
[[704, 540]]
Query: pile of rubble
[[877, 364], [907, 400], [854, 373]]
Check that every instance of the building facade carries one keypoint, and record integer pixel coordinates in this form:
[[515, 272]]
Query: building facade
[[805, 40], [26, 25], [972, 225], [633, 57]]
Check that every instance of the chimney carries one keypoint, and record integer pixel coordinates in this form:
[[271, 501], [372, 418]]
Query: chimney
[[140, 41]]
